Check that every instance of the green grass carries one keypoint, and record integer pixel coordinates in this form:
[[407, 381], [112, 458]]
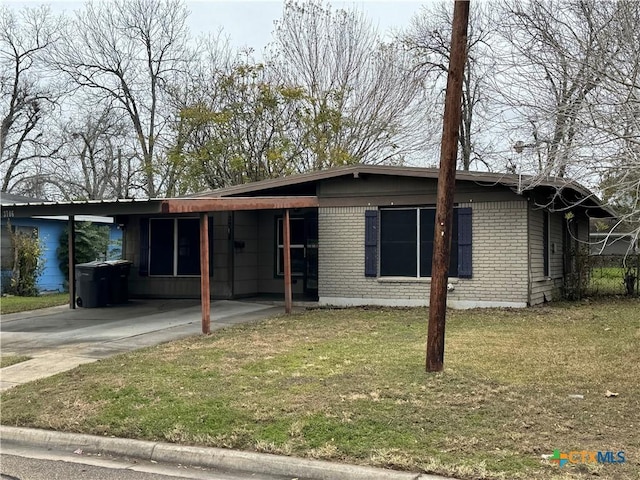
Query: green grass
[[606, 281], [349, 385], [8, 360], [23, 304]]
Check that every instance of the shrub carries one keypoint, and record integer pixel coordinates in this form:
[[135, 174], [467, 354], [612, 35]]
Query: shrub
[[91, 244], [27, 264]]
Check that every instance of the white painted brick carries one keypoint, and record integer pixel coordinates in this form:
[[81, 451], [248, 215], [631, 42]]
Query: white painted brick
[[499, 257]]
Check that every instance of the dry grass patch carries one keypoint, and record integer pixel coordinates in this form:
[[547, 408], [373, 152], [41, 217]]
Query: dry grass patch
[[350, 385]]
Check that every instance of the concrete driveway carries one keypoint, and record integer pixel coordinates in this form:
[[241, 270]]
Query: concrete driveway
[[59, 339]]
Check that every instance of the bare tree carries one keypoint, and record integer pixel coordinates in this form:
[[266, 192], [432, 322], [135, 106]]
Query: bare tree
[[558, 51], [364, 102], [127, 52], [28, 95], [96, 161], [572, 87], [428, 38], [614, 122]]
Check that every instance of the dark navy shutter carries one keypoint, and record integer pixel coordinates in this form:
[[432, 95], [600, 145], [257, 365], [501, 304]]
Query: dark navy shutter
[[144, 247], [464, 242], [371, 243]]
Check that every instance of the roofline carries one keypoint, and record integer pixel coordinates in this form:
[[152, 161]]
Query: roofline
[[486, 178], [613, 234], [156, 206], [78, 218], [418, 172]]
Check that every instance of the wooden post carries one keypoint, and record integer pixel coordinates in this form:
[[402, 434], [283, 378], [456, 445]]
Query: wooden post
[[71, 239], [205, 292], [446, 187], [287, 262]]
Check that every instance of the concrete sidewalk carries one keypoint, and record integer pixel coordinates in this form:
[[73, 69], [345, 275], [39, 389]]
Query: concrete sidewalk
[[60, 339], [216, 458]]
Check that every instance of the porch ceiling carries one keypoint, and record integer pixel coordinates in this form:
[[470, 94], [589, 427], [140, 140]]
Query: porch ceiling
[[155, 206]]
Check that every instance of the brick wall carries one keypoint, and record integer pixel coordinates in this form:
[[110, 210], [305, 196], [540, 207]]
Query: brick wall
[[500, 261]]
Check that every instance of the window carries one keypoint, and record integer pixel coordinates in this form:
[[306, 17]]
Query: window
[[297, 240], [406, 242], [174, 246], [545, 243], [399, 242]]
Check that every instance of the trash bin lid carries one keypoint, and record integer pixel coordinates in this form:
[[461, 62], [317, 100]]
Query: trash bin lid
[[94, 264], [118, 262]]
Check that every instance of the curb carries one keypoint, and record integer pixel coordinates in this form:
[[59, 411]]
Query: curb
[[221, 458]]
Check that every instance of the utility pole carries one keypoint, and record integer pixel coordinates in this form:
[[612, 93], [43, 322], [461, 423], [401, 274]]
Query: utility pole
[[446, 187]]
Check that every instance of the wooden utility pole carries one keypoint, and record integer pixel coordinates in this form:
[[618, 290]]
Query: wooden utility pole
[[446, 187]]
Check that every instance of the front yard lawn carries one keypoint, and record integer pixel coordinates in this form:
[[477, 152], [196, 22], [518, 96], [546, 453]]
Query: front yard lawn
[[12, 304], [349, 385]]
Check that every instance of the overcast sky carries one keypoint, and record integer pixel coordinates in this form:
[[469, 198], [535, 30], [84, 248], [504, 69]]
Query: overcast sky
[[250, 23]]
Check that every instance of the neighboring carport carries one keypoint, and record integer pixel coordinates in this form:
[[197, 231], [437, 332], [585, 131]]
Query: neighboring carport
[[171, 206]]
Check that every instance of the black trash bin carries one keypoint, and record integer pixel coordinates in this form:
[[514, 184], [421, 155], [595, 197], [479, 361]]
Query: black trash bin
[[92, 284], [118, 280]]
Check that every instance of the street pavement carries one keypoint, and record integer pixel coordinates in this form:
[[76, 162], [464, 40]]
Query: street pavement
[[33, 464]]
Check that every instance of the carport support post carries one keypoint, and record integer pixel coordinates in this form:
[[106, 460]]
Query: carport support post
[[204, 274], [287, 262], [72, 261]]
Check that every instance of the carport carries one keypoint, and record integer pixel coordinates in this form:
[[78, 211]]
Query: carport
[[202, 206]]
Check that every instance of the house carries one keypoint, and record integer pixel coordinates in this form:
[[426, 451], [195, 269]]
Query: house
[[610, 237], [358, 235], [48, 230]]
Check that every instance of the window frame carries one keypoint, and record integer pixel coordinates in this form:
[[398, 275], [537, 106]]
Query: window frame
[[279, 244], [175, 253], [418, 241]]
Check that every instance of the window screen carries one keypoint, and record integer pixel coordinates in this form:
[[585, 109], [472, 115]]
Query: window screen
[[427, 227], [403, 241], [161, 242], [398, 243], [188, 246]]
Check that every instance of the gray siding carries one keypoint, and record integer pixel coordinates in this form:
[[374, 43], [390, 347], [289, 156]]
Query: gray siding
[[245, 260], [253, 265], [542, 287], [385, 191], [268, 282], [179, 287]]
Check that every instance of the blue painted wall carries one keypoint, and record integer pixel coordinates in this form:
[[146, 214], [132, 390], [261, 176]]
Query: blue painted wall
[[49, 232]]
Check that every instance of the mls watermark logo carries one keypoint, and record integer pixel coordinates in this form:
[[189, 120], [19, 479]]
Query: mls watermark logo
[[584, 456]]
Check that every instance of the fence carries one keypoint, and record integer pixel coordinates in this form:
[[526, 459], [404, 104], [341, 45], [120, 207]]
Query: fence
[[599, 275]]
